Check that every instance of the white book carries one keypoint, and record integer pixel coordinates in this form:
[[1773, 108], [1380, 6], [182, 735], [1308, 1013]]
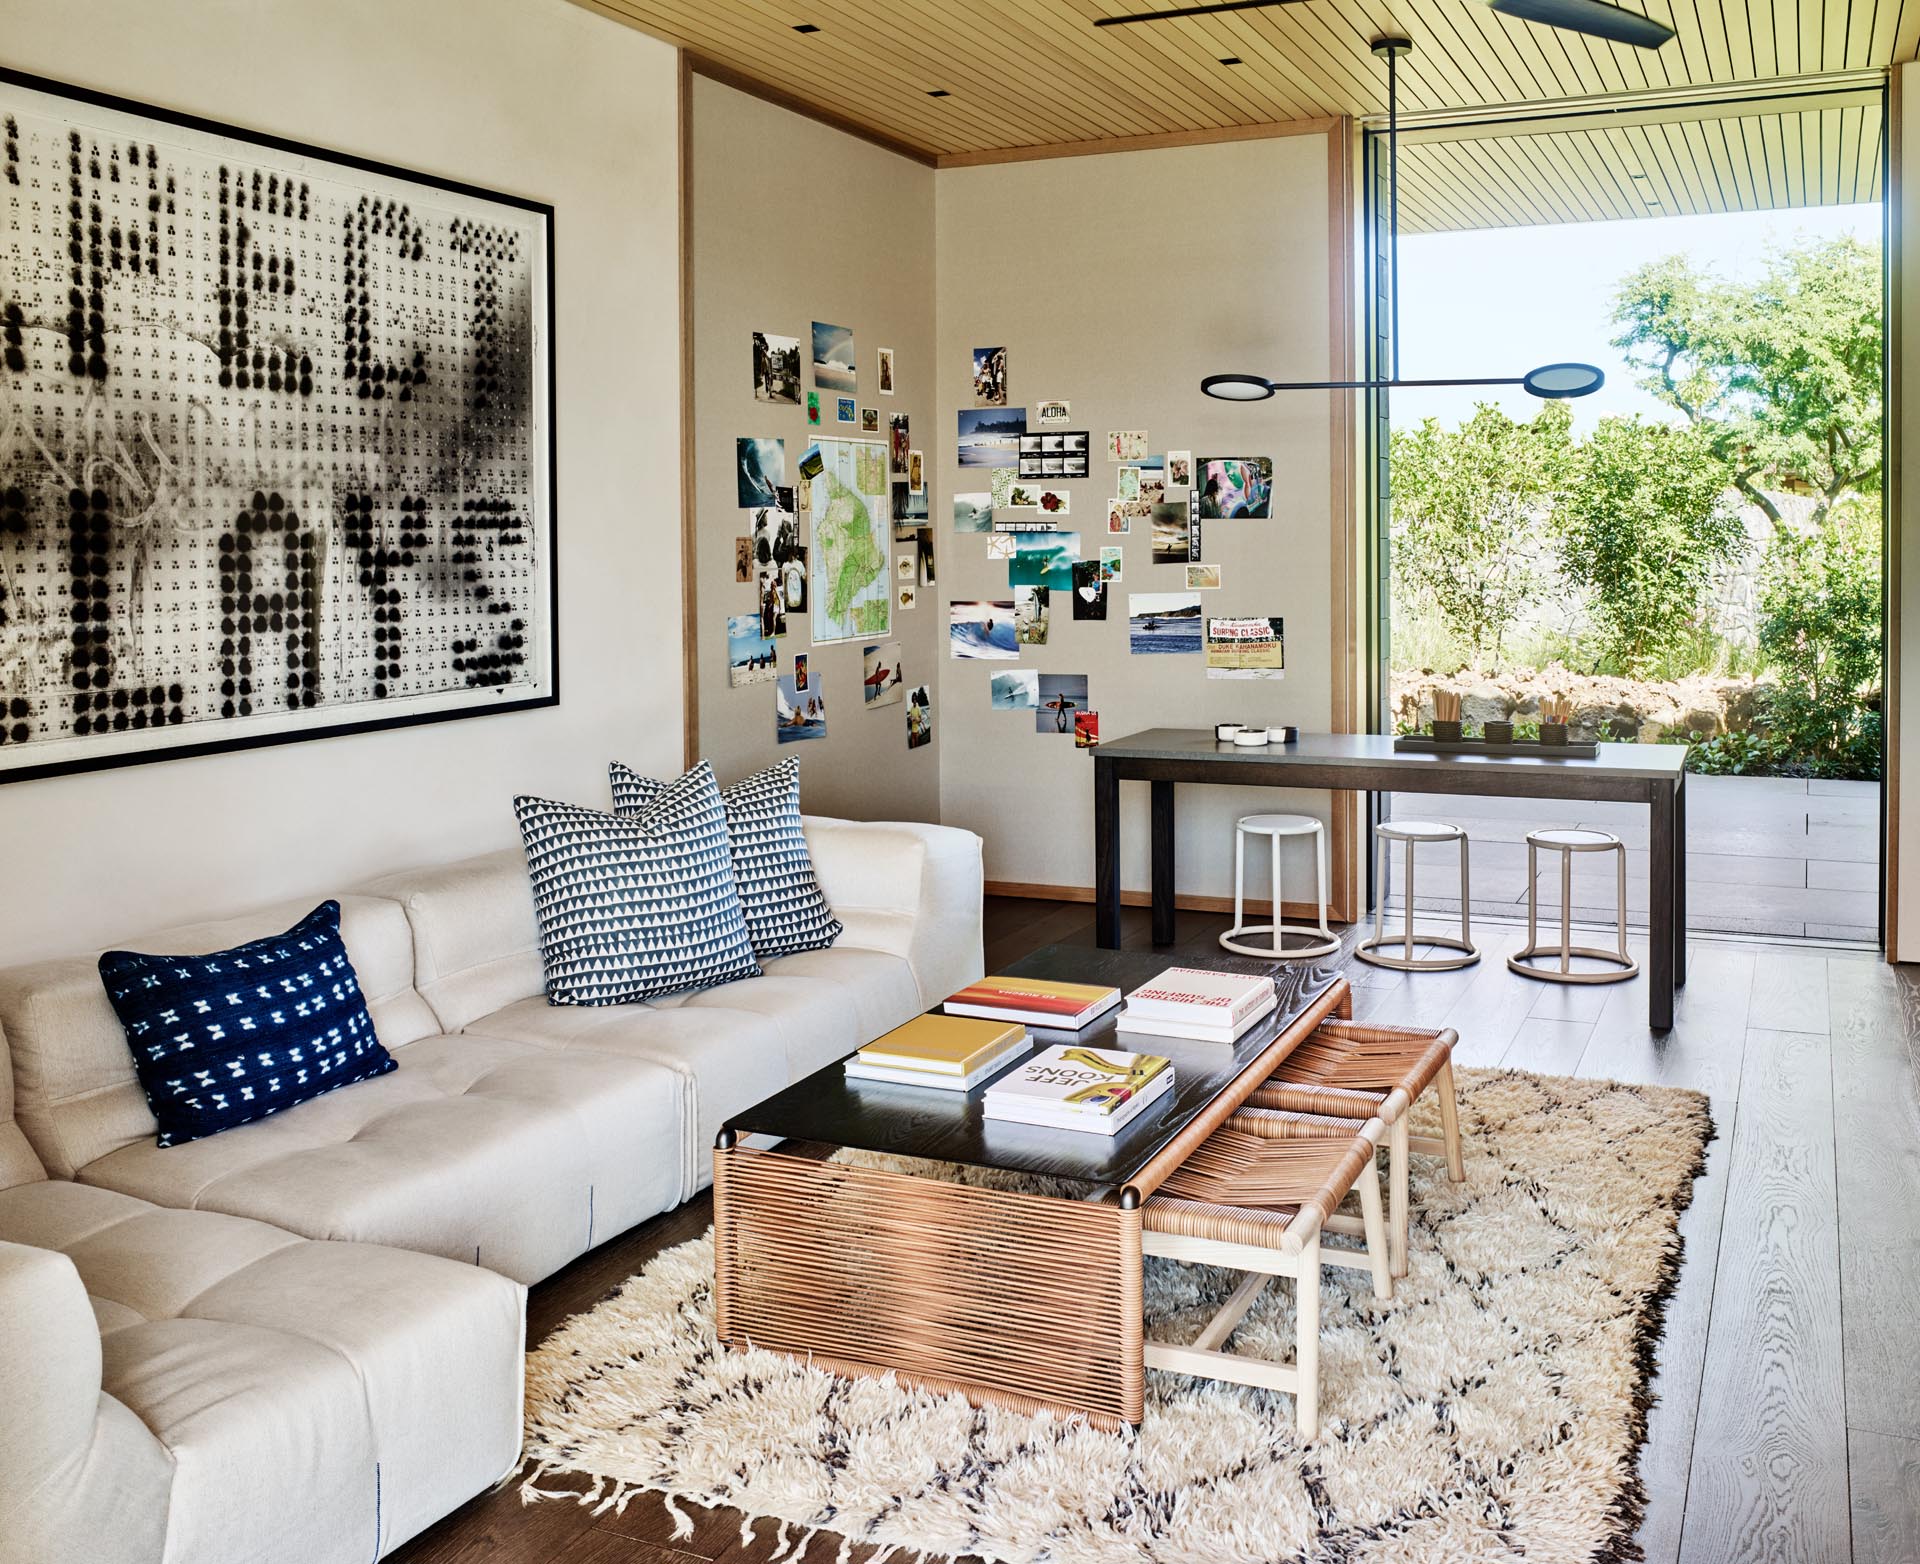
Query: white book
[[1068, 1083], [1026, 1111], [856, 1071], [1198, 996], [1155, 1026]]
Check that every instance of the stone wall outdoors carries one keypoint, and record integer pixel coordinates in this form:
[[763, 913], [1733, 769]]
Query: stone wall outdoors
[[1700, 703]]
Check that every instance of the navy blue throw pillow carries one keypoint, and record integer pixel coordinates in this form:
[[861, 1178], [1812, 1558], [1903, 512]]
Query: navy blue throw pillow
[[228, 1038]]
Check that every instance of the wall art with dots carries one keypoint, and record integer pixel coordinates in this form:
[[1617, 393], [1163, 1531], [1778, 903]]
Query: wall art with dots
[[276, 440]]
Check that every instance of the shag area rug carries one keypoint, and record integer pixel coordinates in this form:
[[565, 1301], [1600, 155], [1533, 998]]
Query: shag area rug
[[1493, 1410]]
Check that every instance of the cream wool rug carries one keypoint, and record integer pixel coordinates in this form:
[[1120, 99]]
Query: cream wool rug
[[1493, 1410]]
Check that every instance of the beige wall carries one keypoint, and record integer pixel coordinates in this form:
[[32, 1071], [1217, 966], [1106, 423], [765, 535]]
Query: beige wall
[[795, 222], [536, 97], [1117, 282]]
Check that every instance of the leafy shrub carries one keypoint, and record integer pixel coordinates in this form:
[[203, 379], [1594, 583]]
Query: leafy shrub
[[1820, 614]]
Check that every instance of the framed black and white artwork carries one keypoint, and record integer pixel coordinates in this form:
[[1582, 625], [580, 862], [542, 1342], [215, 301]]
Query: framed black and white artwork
[[276, 440]]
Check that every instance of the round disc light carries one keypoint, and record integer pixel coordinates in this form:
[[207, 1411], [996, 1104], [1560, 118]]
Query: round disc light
[[1556, 382], [1238, 388]]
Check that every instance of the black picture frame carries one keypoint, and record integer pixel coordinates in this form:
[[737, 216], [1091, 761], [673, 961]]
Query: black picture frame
[[545, 449]]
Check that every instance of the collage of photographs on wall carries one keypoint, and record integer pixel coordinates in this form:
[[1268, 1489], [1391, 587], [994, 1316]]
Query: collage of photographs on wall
[[862, 503], [1029, 522]]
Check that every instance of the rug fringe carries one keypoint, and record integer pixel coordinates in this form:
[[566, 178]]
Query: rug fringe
[[682, 1521]]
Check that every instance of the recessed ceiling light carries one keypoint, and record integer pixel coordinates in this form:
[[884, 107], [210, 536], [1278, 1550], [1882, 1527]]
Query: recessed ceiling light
[[1230, 59], [805, 27], [939, 92]]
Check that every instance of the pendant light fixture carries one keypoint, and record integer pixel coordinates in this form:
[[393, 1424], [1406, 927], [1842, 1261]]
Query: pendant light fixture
[[1551, 382]]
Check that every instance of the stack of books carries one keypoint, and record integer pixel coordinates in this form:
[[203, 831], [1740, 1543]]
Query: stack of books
[[1065, 1006], [1099, 1091], [1203, 1006], [941, 1051]]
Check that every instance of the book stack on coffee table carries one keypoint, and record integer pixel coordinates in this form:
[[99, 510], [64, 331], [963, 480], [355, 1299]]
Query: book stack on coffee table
[[945, 1052], [1066, 1007], [1199, 1005], [1098, 1091]]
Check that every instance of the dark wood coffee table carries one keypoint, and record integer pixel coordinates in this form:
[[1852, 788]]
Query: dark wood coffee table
[[1018, 1284]]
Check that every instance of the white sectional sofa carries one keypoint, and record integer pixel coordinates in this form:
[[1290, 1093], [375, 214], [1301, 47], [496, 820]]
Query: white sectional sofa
[[263, 1374]]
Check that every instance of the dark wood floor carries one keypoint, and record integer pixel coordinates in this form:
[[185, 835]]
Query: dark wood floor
[[1788, 1424]]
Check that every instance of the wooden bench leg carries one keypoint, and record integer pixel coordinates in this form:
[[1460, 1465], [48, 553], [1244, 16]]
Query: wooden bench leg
[[1306, 1353], [1398, 1157], [1450, 1122], [1375, 1223]]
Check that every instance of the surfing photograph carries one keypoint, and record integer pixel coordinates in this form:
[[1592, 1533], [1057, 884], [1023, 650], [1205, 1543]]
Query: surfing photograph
[[1062, 697], [750, 652], [799, 714], [761, 470], [1014, 689], [880, 666], [981, 630]]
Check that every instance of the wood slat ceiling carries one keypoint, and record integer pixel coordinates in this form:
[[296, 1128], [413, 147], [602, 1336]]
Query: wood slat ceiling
[[1028, 74]]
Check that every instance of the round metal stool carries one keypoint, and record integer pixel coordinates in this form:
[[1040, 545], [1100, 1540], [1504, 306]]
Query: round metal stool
[[1372, 950], [1321, 941], [1620, 965]]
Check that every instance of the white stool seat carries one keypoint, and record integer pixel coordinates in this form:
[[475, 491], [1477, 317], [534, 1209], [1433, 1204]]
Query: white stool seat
[[1418, 831], [1573, 840], [1278, 825], [1321, 941]]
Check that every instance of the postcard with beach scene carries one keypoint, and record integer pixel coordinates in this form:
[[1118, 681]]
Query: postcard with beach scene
[[981, 630], [990, 436], [1044, 559], [799, 714], [1032, 614], [880, 666], [1061, 696], [1172, 540], [1163, 622], [833, 362], [750, 653], [973, 513], [1015, 689], [1202, 578]]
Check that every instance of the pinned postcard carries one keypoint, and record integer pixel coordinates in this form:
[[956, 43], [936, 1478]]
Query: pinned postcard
[[989, 377], [1052, 412], [1246, 648], [799, 714], [1014, 689], [1163, 622], [973, 513], [880, 667], [751, 658], [919, 717], [1233, 487], [1126, 445], [1061, 696]]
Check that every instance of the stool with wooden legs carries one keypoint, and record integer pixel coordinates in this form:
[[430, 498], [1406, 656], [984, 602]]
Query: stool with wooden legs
[[1255, 1197], [1356, 1070]]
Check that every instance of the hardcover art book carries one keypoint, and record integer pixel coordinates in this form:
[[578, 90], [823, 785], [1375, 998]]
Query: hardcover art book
[[1070, 1087], [1035, 1001]]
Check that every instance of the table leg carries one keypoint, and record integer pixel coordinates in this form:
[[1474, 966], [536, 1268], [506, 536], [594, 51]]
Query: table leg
[[1662, 876], [1106, 854], [1162, 862], [1680, 882]]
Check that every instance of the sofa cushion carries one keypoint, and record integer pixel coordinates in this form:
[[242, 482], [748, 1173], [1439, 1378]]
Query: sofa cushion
[[635, 905], [225, 1038], [325, 1400], [76, 1094], [476, 945], [18, 1164], [735, 1044], [779, 896], [483, 1150]]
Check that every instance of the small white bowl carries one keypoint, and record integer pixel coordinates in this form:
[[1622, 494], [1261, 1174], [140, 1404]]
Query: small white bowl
[[1251, 738], [1285, 735], [1223, 732]]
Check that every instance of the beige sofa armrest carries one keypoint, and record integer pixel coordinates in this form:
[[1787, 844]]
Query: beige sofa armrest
[[911, 890], [80, 1476]]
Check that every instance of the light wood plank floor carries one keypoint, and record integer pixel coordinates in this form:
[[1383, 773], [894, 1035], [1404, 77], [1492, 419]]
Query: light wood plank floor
[[1788, 1422]]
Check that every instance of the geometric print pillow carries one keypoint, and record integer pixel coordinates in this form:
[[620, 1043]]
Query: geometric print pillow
[[228, 1038], [783, 903], [634, 906]]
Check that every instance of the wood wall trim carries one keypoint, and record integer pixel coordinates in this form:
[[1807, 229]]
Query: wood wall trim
[[689, 498], [739, 81], [1292, 911], [1342, 460], [1172, 138], [1893, 523]]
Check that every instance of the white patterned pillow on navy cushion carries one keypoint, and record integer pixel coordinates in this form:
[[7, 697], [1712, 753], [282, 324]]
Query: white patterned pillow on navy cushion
[[632, 906], [223, 1039], [785, 909]]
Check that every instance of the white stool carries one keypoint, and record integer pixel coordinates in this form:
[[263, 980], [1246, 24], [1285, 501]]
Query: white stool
[[1321, 941], [1373, 950], [1620, 965]]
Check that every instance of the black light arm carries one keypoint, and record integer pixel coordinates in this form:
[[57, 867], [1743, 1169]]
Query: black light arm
[[1551, 382]]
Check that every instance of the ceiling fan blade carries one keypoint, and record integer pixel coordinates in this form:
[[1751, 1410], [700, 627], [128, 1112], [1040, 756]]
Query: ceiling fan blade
[[1595, 18]]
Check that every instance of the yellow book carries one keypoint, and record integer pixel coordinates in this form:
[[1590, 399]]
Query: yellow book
[[942, 1045]]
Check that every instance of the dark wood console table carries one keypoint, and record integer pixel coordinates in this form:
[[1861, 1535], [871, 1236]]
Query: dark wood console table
[[1650, 774]]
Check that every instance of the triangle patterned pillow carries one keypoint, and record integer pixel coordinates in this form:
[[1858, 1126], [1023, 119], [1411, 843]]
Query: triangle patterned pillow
[[785, 908], [636, 905]]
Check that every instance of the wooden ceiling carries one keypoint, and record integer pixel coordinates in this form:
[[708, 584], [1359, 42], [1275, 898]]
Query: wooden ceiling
[[1020, 76]]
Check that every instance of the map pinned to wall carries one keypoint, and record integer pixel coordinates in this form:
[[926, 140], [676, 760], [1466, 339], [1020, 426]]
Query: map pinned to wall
[[852, 536]]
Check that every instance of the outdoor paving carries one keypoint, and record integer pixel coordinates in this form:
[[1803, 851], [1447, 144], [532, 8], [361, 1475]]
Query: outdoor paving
[[1765, 855]]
